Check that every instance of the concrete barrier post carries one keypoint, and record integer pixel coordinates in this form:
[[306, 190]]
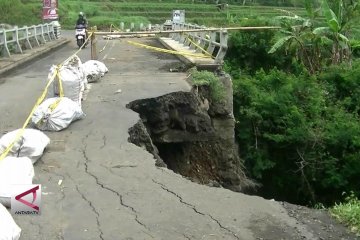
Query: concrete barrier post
[[3, 39], [16, 40], [27, 38], [47, 31], [33, 31], [42, 33], [52, 31], [122, 26], [57, 28], [182, 36], [223, 46], [187, 39], [212, 40], [202, 36]]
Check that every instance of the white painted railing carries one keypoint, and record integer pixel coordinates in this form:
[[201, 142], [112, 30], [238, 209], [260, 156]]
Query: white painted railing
[[18, 39], [214, 42]]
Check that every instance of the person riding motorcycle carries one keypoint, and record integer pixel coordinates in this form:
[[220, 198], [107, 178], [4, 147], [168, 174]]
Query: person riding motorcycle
[[81, 22]]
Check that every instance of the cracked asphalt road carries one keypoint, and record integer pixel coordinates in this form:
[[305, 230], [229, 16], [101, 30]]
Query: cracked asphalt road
[[111, 189]]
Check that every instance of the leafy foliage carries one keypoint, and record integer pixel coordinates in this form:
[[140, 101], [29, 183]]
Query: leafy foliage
[[315, 41], [348, 212], [248, 49], [217, 90], [299, 134], [14, 12]]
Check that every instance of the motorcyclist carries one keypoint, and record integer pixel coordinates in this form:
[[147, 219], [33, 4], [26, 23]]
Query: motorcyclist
[[81, 22]]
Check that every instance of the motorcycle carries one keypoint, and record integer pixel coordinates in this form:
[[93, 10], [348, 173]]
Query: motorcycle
[[80, 35]]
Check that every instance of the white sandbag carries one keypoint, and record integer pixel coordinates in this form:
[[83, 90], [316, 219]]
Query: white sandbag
[[14, 171], [59, 118], [73, 80], [94, 70], [97, 64], [31, 144], [9, 230]]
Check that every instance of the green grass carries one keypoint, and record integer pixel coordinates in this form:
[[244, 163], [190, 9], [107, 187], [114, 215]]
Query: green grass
[[157, 13], [348, 213], [206, 78], [106, 12]]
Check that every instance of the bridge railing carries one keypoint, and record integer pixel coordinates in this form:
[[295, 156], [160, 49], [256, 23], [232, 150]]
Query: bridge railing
[[213, 42], [18, 39]]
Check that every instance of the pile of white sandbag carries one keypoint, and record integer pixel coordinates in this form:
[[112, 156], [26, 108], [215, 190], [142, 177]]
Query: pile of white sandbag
[[14, 171], [94, 70], [59, 118], [9, 230], [17, 169], [54, 114], [72, 78], [30, 144]]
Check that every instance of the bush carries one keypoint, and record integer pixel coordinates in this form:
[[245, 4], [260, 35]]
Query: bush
[[200, 78], [299, 134], [348, 212], [248, 50], [14, 12]]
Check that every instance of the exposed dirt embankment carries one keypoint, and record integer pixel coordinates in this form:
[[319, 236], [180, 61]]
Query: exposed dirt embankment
[[192, 135]]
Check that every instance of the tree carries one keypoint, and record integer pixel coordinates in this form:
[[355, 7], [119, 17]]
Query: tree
[[317, 41]]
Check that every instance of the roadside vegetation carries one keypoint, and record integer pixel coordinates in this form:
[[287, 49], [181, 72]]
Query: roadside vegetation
[[102, 13], [206, 78], [348, 212], [297, 103]]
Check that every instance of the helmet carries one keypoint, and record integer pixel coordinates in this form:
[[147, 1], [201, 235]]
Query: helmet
[[81, 14]]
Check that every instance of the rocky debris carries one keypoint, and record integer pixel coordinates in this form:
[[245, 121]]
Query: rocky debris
[[174, 111], [193, 135], [140, 137]]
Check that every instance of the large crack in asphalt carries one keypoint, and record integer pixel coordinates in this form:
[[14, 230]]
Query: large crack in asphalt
[[93, 209], [122, 203], [181, 200]]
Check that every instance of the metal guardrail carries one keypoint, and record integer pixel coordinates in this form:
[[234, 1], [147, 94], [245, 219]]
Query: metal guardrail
[[18, 39], [211, 42]]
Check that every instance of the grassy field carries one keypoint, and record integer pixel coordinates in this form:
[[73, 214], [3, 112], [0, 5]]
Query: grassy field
[[105, 12], [157, 13]]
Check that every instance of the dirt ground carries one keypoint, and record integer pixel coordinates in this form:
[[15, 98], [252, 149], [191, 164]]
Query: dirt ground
[[320, 222]]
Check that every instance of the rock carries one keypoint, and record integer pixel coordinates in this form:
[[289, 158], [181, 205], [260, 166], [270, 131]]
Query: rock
[[189, 140]]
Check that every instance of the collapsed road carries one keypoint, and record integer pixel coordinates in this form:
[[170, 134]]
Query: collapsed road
[[97, 185]]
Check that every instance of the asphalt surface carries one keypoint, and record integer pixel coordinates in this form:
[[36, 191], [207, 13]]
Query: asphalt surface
[[111, 189]]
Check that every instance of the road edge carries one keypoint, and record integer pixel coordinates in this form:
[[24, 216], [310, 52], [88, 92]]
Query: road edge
[[38, 53]]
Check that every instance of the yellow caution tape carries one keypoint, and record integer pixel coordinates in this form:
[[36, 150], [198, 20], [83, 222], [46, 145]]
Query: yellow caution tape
[[203, 50], [69, 58], [21, 131], [53, 106], [113, 26], [107, 42], [168, 51], [41, 99]]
